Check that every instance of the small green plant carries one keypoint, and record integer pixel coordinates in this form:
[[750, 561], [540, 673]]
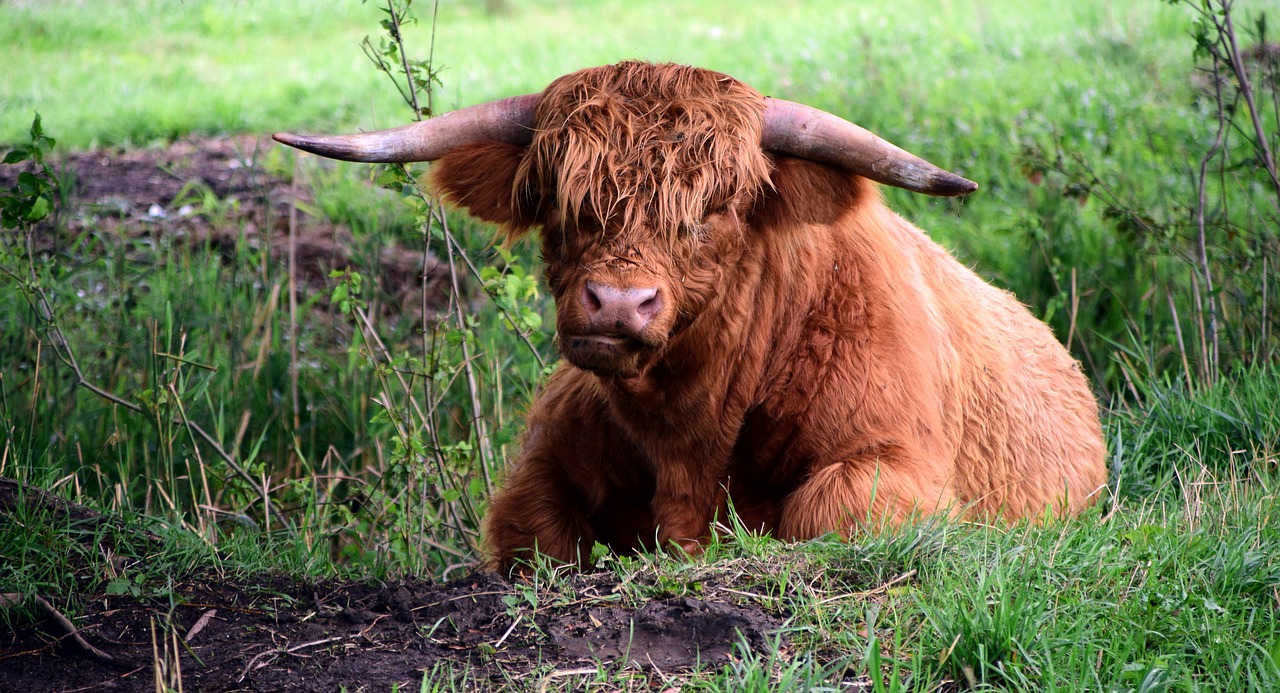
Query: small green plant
[[33, 197], [445, 400]]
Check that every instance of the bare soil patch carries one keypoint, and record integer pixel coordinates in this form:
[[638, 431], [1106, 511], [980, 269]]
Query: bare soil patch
[[274, 634], [217, 632]]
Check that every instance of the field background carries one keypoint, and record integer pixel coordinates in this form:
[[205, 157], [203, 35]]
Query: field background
[[1085, 122]]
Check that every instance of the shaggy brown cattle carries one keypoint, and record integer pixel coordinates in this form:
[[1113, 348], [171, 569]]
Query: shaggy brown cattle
[[743, 321]]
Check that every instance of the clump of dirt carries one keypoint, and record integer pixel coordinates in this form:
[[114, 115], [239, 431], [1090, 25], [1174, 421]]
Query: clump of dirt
[[217, 194], [272, 634], [666, 634]]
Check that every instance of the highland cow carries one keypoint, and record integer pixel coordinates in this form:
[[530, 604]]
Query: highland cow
[[744, 322]]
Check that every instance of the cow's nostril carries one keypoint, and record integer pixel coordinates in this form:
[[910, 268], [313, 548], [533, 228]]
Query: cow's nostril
[[590, 300], [650, 306]]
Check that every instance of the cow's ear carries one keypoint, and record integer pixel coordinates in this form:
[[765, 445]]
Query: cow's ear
[[481, 178], [806, 192]]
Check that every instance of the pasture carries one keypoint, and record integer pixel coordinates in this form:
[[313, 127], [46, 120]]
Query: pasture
[[269, 396]]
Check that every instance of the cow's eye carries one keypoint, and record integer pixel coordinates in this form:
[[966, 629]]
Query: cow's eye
[[552, 243]]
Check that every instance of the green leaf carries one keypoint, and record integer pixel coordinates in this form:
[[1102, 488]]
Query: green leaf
[[29, 184], [40, 209], [43, 145], [120, 586], [17, 154]]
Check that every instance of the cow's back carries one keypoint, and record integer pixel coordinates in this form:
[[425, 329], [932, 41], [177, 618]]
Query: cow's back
[[1029, 433]]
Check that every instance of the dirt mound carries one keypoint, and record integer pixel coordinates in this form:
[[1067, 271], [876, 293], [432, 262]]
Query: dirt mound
[[270, 634], [668, 634]]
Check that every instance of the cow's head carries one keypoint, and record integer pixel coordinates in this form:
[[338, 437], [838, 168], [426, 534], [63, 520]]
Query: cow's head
[[640, 178]]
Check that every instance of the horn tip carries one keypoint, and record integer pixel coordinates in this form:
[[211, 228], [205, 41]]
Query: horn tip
[[341, 148], [948, 184], [964, 186], [292, 140]]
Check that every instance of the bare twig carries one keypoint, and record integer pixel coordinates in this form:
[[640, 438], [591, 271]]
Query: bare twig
[[475, 272], [882, 588], [1201, 204], [1182, 347], [1227, 32], [73, 634], [268, 507], [371, 334], [293, 301], [473, 387], [404, 58], [512, 627]]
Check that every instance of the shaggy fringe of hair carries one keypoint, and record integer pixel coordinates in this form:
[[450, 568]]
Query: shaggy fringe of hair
[[645, 148]]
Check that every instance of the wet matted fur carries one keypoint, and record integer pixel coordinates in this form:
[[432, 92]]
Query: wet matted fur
[[643, 148]]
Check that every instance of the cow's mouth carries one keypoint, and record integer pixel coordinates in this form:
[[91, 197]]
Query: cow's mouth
[[604, 353], [618, 344], [607, 340]]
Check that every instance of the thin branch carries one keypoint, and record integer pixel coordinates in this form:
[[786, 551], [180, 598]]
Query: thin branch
[[473, 387], [1202, 247], [1227, 30], [293, 301], [474, 272], [269, 508], [404, 59], [431, 56], [371, 335], [73, 634]]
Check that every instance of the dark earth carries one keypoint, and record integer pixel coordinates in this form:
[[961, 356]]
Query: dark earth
[[217, 632], [273, 634], [212, 632]]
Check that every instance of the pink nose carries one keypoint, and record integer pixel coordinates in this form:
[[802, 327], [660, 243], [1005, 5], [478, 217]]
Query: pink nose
[[625, 310]]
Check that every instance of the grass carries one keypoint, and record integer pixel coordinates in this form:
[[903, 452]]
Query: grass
[[1081, 120], [135, 70]]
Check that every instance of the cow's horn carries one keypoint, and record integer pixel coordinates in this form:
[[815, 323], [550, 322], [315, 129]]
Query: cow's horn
[[505, 120], [808, 133]]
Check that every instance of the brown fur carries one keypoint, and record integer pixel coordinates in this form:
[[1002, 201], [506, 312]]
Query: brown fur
[[818, 361]]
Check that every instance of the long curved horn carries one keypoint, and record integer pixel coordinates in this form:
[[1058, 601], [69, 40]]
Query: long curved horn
[[808, 133], [505, 120]]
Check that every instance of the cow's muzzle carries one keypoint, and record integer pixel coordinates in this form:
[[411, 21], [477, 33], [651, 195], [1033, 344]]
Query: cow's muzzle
[[620, 311], [614, 328]]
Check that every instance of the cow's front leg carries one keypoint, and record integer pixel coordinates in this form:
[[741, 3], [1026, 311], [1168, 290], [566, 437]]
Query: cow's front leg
[[685, 501], [537, 509], [844, 496]]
